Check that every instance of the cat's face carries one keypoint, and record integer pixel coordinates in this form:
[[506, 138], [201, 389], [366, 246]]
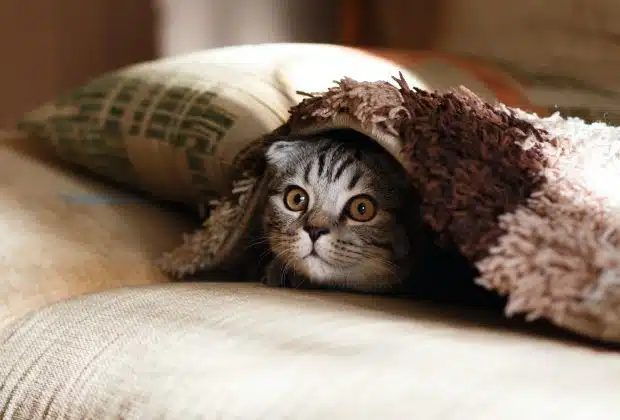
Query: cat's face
[[335, 213]]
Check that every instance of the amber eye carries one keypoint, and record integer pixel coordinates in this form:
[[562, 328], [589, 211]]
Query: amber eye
[[295, 199], [362, 208]]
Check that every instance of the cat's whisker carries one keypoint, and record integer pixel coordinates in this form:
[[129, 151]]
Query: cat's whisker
[[264, 241], [259, 241], [349, 250], [393, 269], [266, 253], [352, 257], [347, 259], [284, 255], [298, 285], [284, 273], [342, 258]]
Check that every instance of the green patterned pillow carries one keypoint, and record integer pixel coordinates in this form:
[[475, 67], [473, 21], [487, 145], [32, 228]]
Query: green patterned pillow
[[178, 127], [173, 129]]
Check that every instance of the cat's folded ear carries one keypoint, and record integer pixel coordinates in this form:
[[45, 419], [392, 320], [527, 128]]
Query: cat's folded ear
[[281, 152]]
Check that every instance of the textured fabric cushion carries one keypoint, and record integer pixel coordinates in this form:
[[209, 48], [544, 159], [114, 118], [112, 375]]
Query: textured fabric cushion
[[64, 235], [235, 351], [175, 127]]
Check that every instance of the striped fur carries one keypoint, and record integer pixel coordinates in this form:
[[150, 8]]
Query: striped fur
[[333, 168]]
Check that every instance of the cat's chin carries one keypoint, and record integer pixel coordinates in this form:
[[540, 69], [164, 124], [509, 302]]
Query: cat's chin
[[321, 272], [317, 269]]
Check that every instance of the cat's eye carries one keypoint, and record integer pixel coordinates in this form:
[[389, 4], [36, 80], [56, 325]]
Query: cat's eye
[[295, 199], [362, 208]]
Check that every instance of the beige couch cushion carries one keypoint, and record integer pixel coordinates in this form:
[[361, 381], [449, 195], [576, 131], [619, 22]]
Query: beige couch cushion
[[244, 351], [63, 235]]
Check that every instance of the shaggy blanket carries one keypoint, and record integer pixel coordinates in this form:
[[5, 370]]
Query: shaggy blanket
[[530, 202]]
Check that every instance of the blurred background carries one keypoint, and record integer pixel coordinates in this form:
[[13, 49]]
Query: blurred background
[[565, 53]]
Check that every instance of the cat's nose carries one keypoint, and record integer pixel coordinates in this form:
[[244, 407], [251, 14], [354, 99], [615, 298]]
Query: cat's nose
[[316, 232]]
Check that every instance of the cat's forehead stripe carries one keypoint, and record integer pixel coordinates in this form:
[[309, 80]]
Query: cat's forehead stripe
[[337, 154], [325, 147], [307, 172], [344, 165], [357, 175], [321, 163]]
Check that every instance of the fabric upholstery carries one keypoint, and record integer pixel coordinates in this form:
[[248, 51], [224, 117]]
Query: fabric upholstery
[[246, 351], [65, 234]]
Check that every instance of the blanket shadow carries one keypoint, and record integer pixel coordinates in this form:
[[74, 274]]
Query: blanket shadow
[[462, 315], [477, 316]]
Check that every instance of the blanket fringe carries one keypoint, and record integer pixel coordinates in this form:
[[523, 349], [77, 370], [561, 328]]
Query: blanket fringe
[[200, 249]]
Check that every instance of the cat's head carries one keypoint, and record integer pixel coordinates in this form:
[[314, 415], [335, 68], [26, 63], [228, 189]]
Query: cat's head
[[340, 212]]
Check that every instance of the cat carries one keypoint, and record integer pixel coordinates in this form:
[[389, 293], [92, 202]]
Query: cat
[[339, 214]]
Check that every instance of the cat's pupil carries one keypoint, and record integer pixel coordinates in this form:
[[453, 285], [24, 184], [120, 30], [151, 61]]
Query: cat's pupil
[[298, 199], [361, 208]]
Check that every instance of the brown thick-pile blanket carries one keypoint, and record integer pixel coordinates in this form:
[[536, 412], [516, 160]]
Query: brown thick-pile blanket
[[531, 202]]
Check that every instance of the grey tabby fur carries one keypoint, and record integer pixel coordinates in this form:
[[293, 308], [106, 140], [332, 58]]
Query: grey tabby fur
[[318, 242]]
